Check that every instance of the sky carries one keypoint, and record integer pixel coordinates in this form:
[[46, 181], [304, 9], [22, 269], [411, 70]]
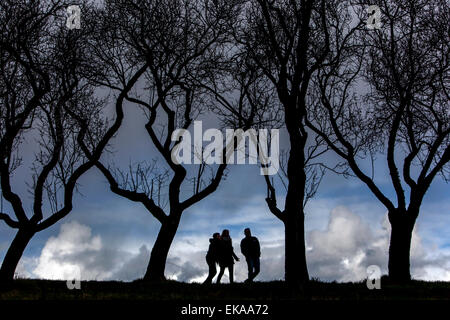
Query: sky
[[107, 237]]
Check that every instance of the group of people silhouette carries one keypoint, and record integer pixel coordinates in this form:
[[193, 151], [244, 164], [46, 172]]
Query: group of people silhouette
[[221, 252]]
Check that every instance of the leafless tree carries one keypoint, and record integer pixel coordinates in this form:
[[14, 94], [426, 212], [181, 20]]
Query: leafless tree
[[178, 45], [44, 86], [288, 41], [403, 118]]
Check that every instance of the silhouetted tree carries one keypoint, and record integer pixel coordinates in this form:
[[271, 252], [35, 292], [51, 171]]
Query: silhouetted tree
[[44, 85], [403, 68], [178, 45], [289, 41]]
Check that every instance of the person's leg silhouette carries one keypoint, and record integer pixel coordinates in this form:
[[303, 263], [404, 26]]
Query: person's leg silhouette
[[256, 268], [250, 269], [212, 271], [231, 273], [222, 270]]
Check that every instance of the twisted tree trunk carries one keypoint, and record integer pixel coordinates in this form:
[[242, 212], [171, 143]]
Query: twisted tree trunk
[[160, 251]]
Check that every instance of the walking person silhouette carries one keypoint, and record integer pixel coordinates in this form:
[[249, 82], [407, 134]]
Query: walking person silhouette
[[212, 257], [226, 256], [250, 248]]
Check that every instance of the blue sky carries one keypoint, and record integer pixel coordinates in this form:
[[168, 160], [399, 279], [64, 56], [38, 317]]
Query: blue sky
[[108, 237]]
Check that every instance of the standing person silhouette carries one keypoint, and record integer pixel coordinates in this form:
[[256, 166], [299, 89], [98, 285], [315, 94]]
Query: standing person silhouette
[[250, 248], [226, 256], [212, 257]]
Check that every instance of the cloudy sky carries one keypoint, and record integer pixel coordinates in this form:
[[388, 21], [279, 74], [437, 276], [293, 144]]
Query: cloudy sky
[[108, 237]]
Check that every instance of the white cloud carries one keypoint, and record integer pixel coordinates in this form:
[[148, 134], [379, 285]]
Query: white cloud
[[345, 248], [24, 267], [75, 253], [433, 273], [135, 267]]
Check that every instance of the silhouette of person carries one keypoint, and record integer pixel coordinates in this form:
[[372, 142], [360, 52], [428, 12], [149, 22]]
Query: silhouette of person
[[250, 248], [226, 256], [212, 256]]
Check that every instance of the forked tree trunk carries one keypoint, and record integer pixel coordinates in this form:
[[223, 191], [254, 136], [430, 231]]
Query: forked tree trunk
[[402, 224], [14, 253], [158, 256]]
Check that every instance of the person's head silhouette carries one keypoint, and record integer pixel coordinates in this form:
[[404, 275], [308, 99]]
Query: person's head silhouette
[[225, 233], [216, 235], [247, 232]]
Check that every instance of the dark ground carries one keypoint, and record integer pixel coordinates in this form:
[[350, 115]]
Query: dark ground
[[167, 300], [258, 291]]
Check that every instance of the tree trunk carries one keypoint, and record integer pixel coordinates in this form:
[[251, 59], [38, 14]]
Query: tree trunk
[[296, 270], [402, 224], [14, 253], [158, 257], [295, 264]]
